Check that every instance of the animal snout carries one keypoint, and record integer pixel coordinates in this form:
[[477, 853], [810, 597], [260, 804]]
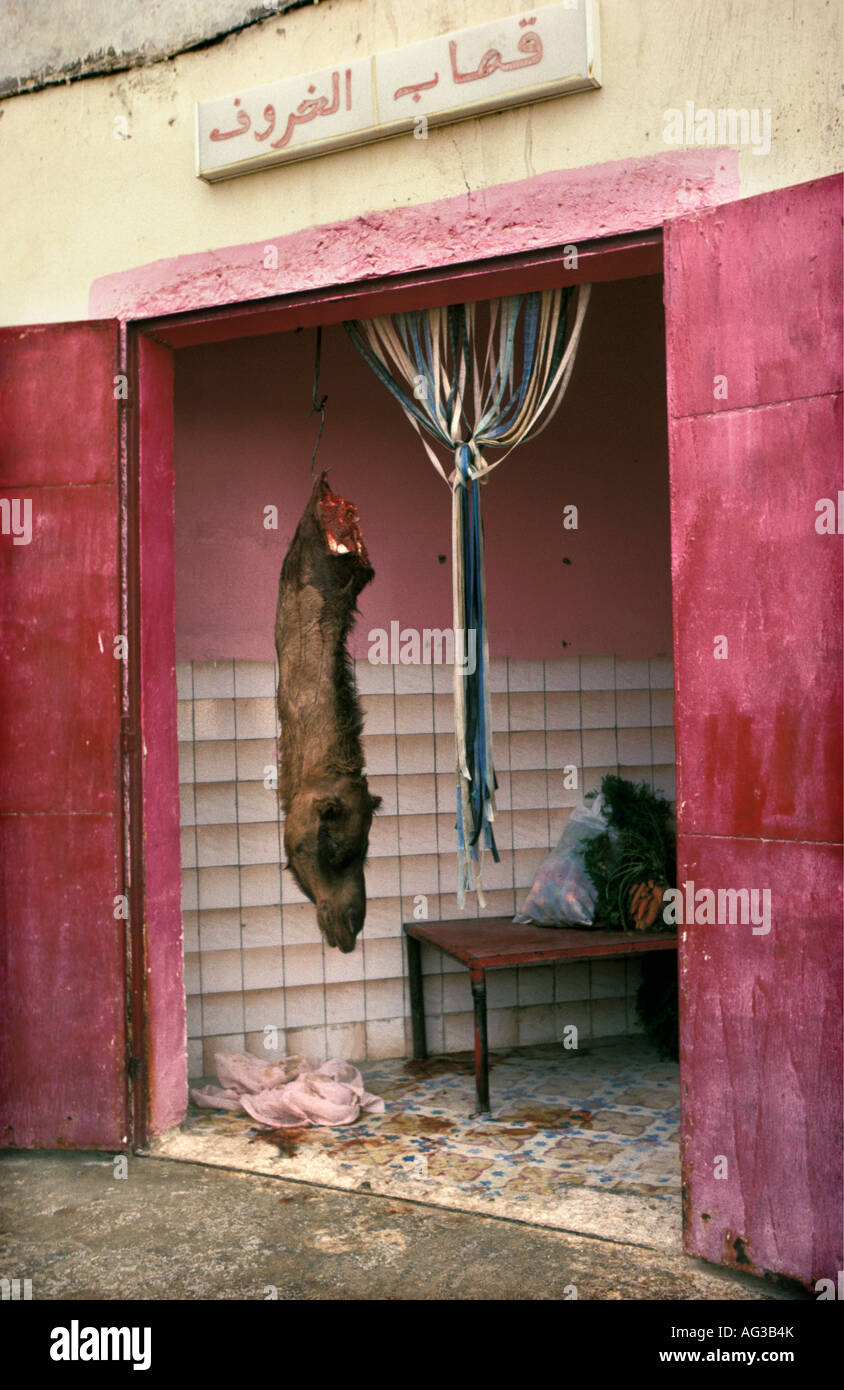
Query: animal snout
[[340, 926]]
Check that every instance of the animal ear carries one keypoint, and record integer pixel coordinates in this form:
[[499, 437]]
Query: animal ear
[[328, 807], [374, 803]]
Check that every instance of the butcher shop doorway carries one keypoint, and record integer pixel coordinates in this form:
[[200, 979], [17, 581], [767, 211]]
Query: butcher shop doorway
[[580, 641]]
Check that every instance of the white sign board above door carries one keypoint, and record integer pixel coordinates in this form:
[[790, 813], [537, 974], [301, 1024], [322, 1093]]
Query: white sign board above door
[[527, 57]]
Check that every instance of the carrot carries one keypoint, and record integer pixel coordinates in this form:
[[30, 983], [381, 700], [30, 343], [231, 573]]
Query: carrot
[[636, 895], [654, 906]]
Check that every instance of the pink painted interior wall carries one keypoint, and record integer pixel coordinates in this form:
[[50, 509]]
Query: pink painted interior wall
[[244, 442]]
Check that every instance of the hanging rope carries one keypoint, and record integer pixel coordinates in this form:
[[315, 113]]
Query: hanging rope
[[428, 360], [317, 404]]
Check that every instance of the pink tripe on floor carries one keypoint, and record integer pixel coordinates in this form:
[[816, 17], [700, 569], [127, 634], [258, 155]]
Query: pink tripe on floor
[[293, 1091]]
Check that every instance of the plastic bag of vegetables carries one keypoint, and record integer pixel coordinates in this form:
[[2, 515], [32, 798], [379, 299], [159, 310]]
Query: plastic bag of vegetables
[[563, 894]]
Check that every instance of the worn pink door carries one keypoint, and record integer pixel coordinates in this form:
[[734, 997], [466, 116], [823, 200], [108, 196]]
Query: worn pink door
[[753, 309], [63, 1036]]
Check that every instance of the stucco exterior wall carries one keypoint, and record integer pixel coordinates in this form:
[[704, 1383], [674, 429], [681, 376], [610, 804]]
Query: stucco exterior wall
[[87, 196]]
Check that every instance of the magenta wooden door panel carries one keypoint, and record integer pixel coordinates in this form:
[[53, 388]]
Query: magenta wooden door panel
[[62, 1010], [58, 669], [753, 314], [55, 413], [754, 284], [62, 1033], [761, 1035], [754, 571]]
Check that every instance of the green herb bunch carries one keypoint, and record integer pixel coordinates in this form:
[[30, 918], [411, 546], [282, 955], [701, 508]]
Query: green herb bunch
[[639, 846]]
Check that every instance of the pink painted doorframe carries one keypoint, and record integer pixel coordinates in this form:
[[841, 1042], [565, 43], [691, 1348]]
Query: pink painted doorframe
[[608, 258], [619, 198]]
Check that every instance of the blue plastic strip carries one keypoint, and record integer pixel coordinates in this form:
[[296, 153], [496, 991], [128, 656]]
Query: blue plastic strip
[[499, 411]]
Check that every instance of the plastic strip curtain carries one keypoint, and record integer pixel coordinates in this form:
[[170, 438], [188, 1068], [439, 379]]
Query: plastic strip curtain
[[470, 404]]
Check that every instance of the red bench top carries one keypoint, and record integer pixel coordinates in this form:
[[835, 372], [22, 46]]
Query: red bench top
[[489, 941]]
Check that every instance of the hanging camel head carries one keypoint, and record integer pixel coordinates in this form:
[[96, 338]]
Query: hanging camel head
[[326, 839]]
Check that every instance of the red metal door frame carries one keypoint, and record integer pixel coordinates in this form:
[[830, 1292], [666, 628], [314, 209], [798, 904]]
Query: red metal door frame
[[158, 1079], [160, 1091]]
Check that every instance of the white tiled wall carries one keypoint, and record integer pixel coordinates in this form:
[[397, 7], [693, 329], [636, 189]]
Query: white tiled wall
[[257, 971]]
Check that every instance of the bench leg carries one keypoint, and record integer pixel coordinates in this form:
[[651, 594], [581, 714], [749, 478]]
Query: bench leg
[[417, 998], [478, 981]]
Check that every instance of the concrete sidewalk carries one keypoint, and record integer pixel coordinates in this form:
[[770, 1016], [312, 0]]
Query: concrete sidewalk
[[179, 1230]]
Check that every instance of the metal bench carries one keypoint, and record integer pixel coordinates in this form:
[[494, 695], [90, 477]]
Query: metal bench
[[486, 943]]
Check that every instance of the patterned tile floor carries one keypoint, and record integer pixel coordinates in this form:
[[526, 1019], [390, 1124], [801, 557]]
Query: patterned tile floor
[[606, 1117]]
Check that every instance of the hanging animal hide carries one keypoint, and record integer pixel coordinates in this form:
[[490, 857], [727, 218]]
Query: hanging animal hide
[[324, 794]]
